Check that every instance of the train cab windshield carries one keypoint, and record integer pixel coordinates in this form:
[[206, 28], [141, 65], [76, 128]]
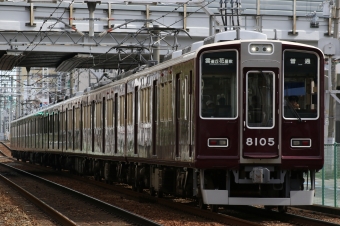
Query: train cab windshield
[[219, 84], [301, 79], [260, 99]]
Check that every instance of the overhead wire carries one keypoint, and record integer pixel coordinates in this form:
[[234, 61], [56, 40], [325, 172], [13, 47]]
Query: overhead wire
[[36, 36], [39, 33], [60, 18], [209, 2], [182, 5], [156, 20]]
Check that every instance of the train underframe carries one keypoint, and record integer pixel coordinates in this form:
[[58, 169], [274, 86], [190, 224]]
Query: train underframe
[[248, 185]]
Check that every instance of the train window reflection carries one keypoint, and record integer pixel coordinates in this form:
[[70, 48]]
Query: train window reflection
[[300, 85], [260, 99], [219, 84]]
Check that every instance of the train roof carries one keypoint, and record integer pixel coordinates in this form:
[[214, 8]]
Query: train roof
[[222, 37], [189, 52], [232, 37]]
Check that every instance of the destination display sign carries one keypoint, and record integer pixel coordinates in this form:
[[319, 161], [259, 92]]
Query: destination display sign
[[300, 62], [218, 62]]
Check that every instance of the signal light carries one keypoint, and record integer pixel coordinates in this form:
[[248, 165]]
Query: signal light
[[217, 142], [301, 143]]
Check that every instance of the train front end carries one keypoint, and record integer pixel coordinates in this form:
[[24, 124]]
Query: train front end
[[259, 122]]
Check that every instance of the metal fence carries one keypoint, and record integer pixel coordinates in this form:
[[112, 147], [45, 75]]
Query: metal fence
[[327, 180]]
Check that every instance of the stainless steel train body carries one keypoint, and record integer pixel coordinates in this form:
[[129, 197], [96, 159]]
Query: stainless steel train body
[[214, 123]]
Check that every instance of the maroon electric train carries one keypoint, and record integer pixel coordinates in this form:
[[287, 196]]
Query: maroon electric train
[[230, 121]]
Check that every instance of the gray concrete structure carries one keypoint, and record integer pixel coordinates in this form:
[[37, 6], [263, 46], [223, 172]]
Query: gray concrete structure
[[67, 36]]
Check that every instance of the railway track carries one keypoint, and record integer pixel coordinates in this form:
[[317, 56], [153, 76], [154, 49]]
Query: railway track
[[141, 197], [321, 209], [66, 206], [298, 218], [146, 198], [254, 215]]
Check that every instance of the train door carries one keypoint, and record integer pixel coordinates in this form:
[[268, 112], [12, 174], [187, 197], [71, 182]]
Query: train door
[[66, 138], [135, 129], [177, 110], [260, 121], [190, 113], [81, 126], [103, 125], [73, 127], [92, 124], [116, 122], [154, 116]]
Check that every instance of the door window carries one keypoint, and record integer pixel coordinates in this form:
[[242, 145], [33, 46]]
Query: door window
[[260, 99]]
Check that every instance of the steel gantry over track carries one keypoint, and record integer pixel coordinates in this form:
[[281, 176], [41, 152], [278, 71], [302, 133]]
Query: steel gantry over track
[[124, 34]]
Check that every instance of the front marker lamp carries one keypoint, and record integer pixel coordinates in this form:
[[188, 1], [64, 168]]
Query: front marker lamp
[[261, 49], [218, 142], [300, 143]]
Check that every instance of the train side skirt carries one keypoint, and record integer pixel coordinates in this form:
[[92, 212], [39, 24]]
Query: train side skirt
[[220, 197]]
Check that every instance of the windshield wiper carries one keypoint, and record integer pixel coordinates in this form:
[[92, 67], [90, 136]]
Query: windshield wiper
[[294, 111]]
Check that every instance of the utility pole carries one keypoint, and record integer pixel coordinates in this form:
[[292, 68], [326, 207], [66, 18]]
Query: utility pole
[[11, 101], [18, 113], [333, 78], [155, 53], [71, 84]]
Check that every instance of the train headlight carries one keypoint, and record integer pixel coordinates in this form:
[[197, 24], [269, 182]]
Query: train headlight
[[300, 143], [255, 49], [261, 48], [217, 142]]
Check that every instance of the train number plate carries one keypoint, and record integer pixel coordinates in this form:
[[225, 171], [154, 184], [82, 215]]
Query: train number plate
[[260, 141]]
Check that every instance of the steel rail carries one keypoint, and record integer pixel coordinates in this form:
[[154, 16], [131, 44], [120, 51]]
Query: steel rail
[[225, 219], [53, 213], [285, 217], [321, 209], [143, 197], [167, 203], [126, 215]]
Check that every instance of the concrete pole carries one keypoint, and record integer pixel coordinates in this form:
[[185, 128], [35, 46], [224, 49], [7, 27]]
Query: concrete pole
[[18, 113], [294, 17], [336, 19], [332, 102], [89, 78], [10, 119], [71, 84], [155, 53], [333, 80], [3, 123], [258, 7], [28, 104], [78, 81], [211, 25], [91, 6]]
